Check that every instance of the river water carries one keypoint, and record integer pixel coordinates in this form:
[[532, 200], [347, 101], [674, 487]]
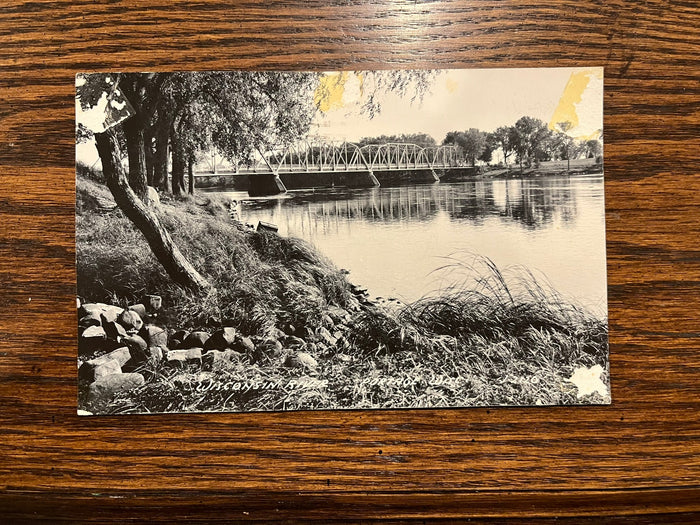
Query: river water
[[394, 240]]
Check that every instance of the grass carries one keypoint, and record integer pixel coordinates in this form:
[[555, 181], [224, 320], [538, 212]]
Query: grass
[[262, 280], [498, 338]]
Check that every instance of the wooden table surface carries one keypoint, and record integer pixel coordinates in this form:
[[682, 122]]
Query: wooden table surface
[[637, 460]]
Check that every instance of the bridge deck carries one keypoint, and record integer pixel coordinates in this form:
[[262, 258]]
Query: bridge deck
[[329, 169]]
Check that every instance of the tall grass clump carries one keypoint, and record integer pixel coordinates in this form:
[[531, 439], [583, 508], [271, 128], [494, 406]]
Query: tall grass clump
[[261, 280], [509, 336]]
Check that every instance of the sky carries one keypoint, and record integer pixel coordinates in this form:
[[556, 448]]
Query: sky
[[473, 98]]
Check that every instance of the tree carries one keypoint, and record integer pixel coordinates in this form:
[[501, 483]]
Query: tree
[[259, 108], [592, 148], [474, 143], [502, 138], [565, 142], [471, 142], [529, 136], [420, 139], [130, 190], [487, 153], [143, 217]]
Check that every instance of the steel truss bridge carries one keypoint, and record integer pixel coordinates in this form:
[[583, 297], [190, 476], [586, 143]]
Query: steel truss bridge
[[345, 157], [307, 157]]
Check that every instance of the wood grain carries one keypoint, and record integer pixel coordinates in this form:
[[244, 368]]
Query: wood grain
[[637, 460]]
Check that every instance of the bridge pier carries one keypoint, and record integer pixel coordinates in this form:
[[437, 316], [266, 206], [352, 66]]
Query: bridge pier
[[265, 184], [435, 175], [373, 179]]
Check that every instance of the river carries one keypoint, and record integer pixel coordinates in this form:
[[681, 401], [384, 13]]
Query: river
[[392, 240]]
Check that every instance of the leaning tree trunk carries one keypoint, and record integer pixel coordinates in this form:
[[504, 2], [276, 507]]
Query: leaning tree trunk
[[167, 253]]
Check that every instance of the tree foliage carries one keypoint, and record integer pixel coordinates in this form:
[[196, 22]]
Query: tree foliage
[[420, 139]]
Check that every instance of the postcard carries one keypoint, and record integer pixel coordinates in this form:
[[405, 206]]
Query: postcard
[[272, 241]]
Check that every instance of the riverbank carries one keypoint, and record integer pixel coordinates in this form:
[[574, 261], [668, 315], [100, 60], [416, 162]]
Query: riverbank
[[285, 329], [548, 168]]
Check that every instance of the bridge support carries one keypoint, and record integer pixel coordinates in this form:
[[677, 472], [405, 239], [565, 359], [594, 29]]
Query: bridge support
[[265, 184], [435, 175], [373, 179]]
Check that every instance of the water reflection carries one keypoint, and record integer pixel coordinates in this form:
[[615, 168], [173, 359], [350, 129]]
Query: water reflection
[[532, 203], [393, 239]]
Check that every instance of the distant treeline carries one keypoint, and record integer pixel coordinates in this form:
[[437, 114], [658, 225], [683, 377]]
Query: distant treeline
[[528, 140]]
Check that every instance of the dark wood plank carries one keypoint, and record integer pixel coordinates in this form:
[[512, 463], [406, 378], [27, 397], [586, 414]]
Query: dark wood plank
[[638, 459]]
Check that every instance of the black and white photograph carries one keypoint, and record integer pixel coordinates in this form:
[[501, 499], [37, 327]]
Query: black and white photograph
[[372, 239]]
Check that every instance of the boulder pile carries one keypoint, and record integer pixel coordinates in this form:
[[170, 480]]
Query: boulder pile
[[117, 346]]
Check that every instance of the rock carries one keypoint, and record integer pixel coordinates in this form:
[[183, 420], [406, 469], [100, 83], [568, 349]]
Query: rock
[[215, 357], [326, 336], [110, 367], [339, 315], [139, 309], [183, 357], [90, 320], [92, 338], [301, 360], [176, 338], [276, 333], [121, 355], [243, 345], [87, 370], [353, 304], [155, 354], [267, 348], [292, 341], [94, 331], [307, 360], [221, 339], [78, 302], [289, 329], [131, 321], [106, 387], [111, 312], [153, 302], [343, 358], [327, 320], [271, 345], [358, 290], [136, 344], [195, 340], [113, 330], [155, 335]]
